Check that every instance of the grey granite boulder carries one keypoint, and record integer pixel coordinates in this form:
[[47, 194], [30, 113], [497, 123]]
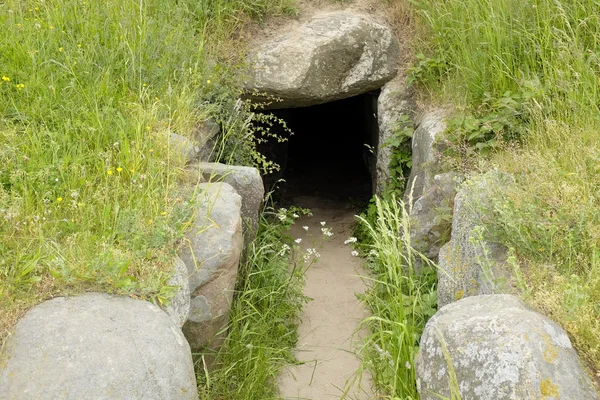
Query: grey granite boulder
[[199, 147], [331, 57], [179, 307], [248, 183], [431, 215], [206, 135], [182, 147], [493, 347], [394, 102], [425, 154], [96, 346], [470, 264], [211, 253]]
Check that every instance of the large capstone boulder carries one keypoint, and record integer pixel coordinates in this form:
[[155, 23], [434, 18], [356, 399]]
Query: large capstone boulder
[[493, 347], [395, 113], [331, 57], [431, 215], [425, 154], [247, 183], [211, 253], [96, 346], [471, 263]]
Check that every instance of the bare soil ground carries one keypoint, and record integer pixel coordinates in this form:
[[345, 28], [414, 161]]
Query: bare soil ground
[[329, 334]]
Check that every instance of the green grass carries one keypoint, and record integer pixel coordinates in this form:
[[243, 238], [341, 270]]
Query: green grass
[[402, 296], [532, 67], [90, 195], [262, 332]]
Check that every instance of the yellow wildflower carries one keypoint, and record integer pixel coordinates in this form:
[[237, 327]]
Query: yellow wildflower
[[208, 82], [20, 86], [6, 79], [60, 49], [79, 204], [59, 199], [51, 27], [110, 172], [163, 213], [79, 45], [119, 169]]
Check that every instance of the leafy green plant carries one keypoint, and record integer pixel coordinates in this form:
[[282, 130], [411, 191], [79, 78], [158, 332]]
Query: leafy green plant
[[495, 122], [427, 69], [401, 160], [244, 130], [402, 297]]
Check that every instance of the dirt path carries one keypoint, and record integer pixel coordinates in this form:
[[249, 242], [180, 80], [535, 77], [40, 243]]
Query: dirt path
[[326, 342]]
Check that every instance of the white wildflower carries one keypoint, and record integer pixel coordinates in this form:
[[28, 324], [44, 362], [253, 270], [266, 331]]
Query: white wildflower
[[373, 253], [310, 252], [298, 241], [327, 232], [323, 223], [284, 249], [351, 240], [295, 215], [282, 217], [354, 253], [305, 228]]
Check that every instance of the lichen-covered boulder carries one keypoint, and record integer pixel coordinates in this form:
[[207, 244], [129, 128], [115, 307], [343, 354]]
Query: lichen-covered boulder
[[395, 111], [247, 183], [211, 253], [425, 154], [470, 264], [493, 347], [431, 215], [179, 307], [331, 57], [96, 346]]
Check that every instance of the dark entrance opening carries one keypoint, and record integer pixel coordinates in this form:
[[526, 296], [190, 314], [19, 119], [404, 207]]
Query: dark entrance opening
[[330, 154]]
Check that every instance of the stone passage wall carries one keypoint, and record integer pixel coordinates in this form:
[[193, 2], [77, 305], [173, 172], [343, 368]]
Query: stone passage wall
[[482, 343]]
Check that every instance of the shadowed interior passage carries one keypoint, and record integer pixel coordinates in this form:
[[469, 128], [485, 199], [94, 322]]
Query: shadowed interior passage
[[329, 155]]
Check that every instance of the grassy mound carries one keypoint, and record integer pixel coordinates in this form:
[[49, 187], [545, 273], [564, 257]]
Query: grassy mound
[[90, 195]]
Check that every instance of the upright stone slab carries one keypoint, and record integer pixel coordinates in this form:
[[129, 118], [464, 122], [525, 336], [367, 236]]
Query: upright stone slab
[[470, 264], [331, 57], [247, 183], [211, 253], [493, 347], [179, 308], [425, 155], [96, 346], [395, 102], [431, 215], [206, 135]]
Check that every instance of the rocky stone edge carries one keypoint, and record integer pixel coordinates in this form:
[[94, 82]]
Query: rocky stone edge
[[483, 343]]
